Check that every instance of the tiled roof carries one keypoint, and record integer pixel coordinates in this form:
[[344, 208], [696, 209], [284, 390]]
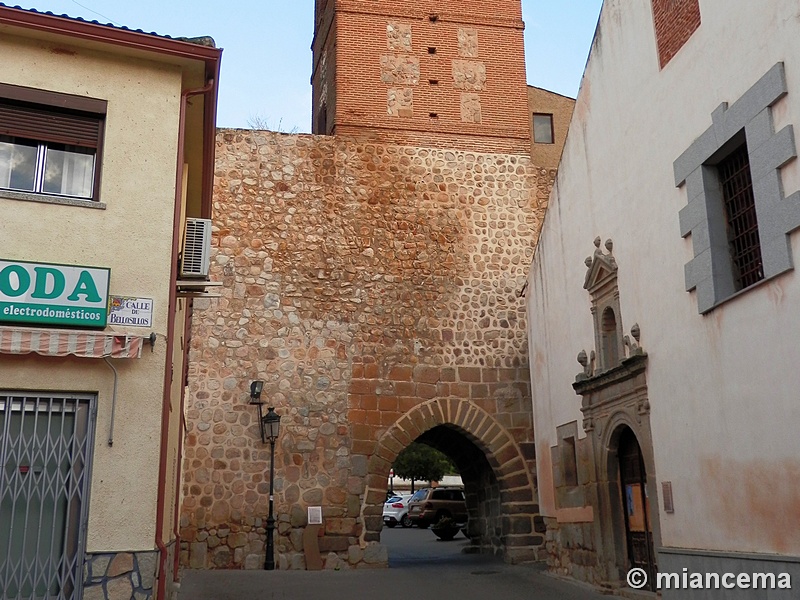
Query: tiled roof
[[201, 41]]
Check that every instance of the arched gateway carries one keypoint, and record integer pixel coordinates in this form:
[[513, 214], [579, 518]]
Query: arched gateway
[[501, 500]]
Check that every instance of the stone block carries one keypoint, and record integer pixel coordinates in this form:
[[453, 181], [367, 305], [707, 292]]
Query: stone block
[[333, 543], [470, 107], [400, 102], [94, 592], [119, 589], [298, 516], [197, 555], [222, 557], [253, 562], [469, 75], [354, 554], [147, 569], [467, 42], [100, 566], [399, 36], [121, 563], [376, 554]]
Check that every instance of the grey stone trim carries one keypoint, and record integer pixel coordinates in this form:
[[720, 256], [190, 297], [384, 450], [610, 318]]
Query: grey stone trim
[[678, 560], [732, 555], [45, 199], [710, 271]]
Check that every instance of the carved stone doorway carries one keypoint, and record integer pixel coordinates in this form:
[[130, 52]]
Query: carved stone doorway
[[636, 506]]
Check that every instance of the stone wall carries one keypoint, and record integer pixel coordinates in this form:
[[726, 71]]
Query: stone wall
[[124, 575], [360, 282], [571, 551]]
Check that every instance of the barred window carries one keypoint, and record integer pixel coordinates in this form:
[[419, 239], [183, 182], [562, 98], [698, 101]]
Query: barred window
[[740, 213]]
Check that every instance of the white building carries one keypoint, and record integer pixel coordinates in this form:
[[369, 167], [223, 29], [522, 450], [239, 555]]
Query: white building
[[676, 445]]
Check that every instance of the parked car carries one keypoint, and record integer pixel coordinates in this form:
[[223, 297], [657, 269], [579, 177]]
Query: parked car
[[429, 505], [396, 511]]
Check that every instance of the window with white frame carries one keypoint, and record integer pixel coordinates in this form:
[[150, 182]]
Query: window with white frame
[[50, 143]]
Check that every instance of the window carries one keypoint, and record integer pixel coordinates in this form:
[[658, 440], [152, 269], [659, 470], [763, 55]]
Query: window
[[542, 128], [569, 461], [740, 214], [608, 335], [737, 212], [50, 143]]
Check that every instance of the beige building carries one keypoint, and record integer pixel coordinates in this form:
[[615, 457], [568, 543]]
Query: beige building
[[106, 153], [666, 266], [550, 115]]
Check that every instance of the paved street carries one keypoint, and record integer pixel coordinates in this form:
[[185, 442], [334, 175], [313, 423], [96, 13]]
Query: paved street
[[421, 567]]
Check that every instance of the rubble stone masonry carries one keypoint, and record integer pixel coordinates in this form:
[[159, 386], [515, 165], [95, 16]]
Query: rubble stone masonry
[[375, 289]]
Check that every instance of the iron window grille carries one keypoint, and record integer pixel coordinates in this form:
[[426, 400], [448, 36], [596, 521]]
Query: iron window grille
[[742, 221]]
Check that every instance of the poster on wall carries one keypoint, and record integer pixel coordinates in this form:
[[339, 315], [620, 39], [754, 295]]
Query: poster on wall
[[51, 294], [132, 312]]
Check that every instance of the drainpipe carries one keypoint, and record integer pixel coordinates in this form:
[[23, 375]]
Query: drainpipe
[[179, 471], [168, 370], [113, 402]]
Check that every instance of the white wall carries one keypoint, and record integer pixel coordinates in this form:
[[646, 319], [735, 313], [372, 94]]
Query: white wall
[[723, 387]]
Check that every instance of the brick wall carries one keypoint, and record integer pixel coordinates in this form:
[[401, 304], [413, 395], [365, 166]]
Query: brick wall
[[374, 288], [675, 22], [469, 94], [547, 156]]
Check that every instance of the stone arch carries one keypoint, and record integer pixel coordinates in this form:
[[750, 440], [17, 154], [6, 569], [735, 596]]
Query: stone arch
[[609, 478], [513, 532]]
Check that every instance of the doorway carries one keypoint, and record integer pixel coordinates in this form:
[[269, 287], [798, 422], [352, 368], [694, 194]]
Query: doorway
[[636, 506], [45, 454]]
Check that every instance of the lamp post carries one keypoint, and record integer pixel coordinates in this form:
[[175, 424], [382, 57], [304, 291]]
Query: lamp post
[[270, 425]]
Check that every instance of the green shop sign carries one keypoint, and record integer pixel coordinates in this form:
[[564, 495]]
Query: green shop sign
[[53, 294]]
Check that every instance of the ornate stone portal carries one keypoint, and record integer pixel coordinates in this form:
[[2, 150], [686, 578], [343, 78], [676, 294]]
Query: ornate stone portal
[[588, 540]]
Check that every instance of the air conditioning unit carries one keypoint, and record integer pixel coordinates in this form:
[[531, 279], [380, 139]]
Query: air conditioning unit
[[196, 248]]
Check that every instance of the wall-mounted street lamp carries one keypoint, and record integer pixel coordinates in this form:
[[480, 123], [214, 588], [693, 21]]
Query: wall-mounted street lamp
[[270, 426]]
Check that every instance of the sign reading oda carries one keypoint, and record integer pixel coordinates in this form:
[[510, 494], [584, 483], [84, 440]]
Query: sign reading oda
[[53, 294]]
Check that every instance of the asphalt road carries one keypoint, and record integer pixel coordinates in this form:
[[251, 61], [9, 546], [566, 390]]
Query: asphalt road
[[420, 567]]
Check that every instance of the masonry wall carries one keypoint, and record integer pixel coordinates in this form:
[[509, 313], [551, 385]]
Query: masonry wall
[[561, 107], [444, 73], [360, 280], [674, 23]]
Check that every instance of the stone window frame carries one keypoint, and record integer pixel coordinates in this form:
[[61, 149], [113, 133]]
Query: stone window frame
[[710, 273], [601, 283], [568, 453], [569, 491]]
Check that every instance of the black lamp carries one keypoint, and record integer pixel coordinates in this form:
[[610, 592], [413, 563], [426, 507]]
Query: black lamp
[[270, 426]]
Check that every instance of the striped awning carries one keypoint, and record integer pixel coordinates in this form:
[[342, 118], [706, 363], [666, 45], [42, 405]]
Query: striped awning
[[62, 342]]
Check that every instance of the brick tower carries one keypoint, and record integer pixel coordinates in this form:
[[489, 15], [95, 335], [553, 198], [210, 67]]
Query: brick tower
[[443, 73], [372, 280]]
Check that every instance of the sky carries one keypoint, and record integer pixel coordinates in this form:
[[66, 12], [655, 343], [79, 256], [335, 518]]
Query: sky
[[266, 62]]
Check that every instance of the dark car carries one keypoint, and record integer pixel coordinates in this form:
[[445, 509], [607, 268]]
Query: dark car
[[429, 505]]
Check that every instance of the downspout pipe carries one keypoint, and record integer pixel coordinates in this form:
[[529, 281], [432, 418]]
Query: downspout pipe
[[113, 402], [168, 367]]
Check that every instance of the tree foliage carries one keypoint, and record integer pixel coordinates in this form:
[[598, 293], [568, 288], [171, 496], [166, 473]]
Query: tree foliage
[[421, 462]]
